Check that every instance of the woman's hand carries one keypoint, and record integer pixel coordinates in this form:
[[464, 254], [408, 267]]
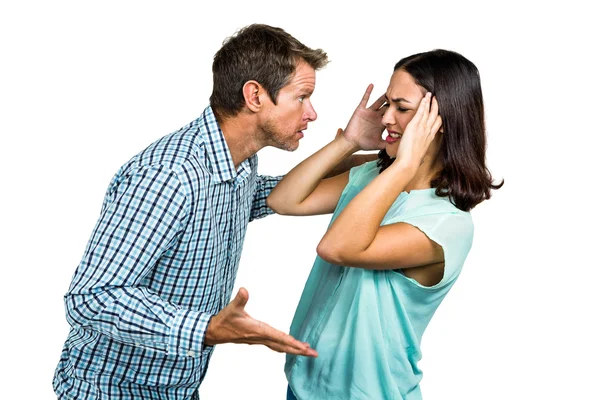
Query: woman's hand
[[420, 132], [365, 127]]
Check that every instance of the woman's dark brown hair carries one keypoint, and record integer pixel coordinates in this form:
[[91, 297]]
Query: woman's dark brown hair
[[454, 81]]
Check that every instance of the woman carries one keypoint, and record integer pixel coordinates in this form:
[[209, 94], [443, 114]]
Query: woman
[[400, 232]]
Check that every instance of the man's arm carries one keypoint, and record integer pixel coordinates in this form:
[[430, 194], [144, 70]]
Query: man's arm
[[142, 218], [264, 186], [349, 162]]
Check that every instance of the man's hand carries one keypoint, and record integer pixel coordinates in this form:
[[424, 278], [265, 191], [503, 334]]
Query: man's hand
[[365, 127], [234, 325]]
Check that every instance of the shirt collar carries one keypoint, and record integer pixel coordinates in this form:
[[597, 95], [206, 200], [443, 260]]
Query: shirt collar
[[218, 153]]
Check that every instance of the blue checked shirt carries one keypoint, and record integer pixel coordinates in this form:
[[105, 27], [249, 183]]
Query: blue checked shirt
[[162, 260]]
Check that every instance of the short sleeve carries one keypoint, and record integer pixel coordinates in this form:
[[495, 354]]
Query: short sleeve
[[353, 172], [452, 231], [364, 173]]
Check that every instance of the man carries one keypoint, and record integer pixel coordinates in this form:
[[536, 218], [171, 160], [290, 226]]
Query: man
[[149, 299]]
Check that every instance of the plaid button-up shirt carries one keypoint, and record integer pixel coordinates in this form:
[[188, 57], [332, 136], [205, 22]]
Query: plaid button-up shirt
[[161, 261]]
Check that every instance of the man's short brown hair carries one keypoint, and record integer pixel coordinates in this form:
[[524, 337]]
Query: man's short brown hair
[[257, 52]]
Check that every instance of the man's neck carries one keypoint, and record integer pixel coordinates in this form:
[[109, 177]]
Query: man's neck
[[242, 137]]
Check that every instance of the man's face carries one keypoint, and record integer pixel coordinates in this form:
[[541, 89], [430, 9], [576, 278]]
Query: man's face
[[284, 122]]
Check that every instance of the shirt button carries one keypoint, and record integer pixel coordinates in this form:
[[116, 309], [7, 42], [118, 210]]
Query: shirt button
[[191, 353]]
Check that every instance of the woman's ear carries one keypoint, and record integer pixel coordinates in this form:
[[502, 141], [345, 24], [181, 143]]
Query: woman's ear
[[251, 91]]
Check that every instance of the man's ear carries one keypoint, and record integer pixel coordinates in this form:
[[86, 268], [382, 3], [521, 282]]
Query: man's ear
[[251, 92]]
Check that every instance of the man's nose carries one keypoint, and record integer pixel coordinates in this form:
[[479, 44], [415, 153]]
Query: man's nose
[[310, 113]]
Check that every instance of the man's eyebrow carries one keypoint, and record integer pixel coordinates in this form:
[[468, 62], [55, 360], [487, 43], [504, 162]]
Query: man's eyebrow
[[398, 100], [307, 91]]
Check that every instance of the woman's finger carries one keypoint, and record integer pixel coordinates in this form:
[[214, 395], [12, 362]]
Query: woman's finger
[[418, 117], [378, 103], [365, 98], [425, 105], [433, 112]]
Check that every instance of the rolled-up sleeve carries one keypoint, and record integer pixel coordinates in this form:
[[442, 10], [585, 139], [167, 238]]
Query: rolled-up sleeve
[[264, 186]]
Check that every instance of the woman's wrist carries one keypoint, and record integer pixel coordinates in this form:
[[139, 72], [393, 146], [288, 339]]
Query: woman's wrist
[[404, 166], [346, 145]]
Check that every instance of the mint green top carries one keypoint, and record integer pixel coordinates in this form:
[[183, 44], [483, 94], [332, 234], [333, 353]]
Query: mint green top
[[367, 325]]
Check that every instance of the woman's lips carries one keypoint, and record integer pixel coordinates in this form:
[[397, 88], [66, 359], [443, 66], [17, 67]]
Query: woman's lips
[[390, 139]]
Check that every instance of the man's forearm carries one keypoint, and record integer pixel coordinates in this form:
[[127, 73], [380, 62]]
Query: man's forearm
[[352, 161]]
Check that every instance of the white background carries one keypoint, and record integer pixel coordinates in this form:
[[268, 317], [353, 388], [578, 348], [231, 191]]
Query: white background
[[86, 85]]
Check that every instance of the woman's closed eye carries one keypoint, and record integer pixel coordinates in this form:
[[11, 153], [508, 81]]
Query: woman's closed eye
[[399, 108]]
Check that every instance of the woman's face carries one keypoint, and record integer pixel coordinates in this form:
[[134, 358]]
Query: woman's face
[[403, 96]]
